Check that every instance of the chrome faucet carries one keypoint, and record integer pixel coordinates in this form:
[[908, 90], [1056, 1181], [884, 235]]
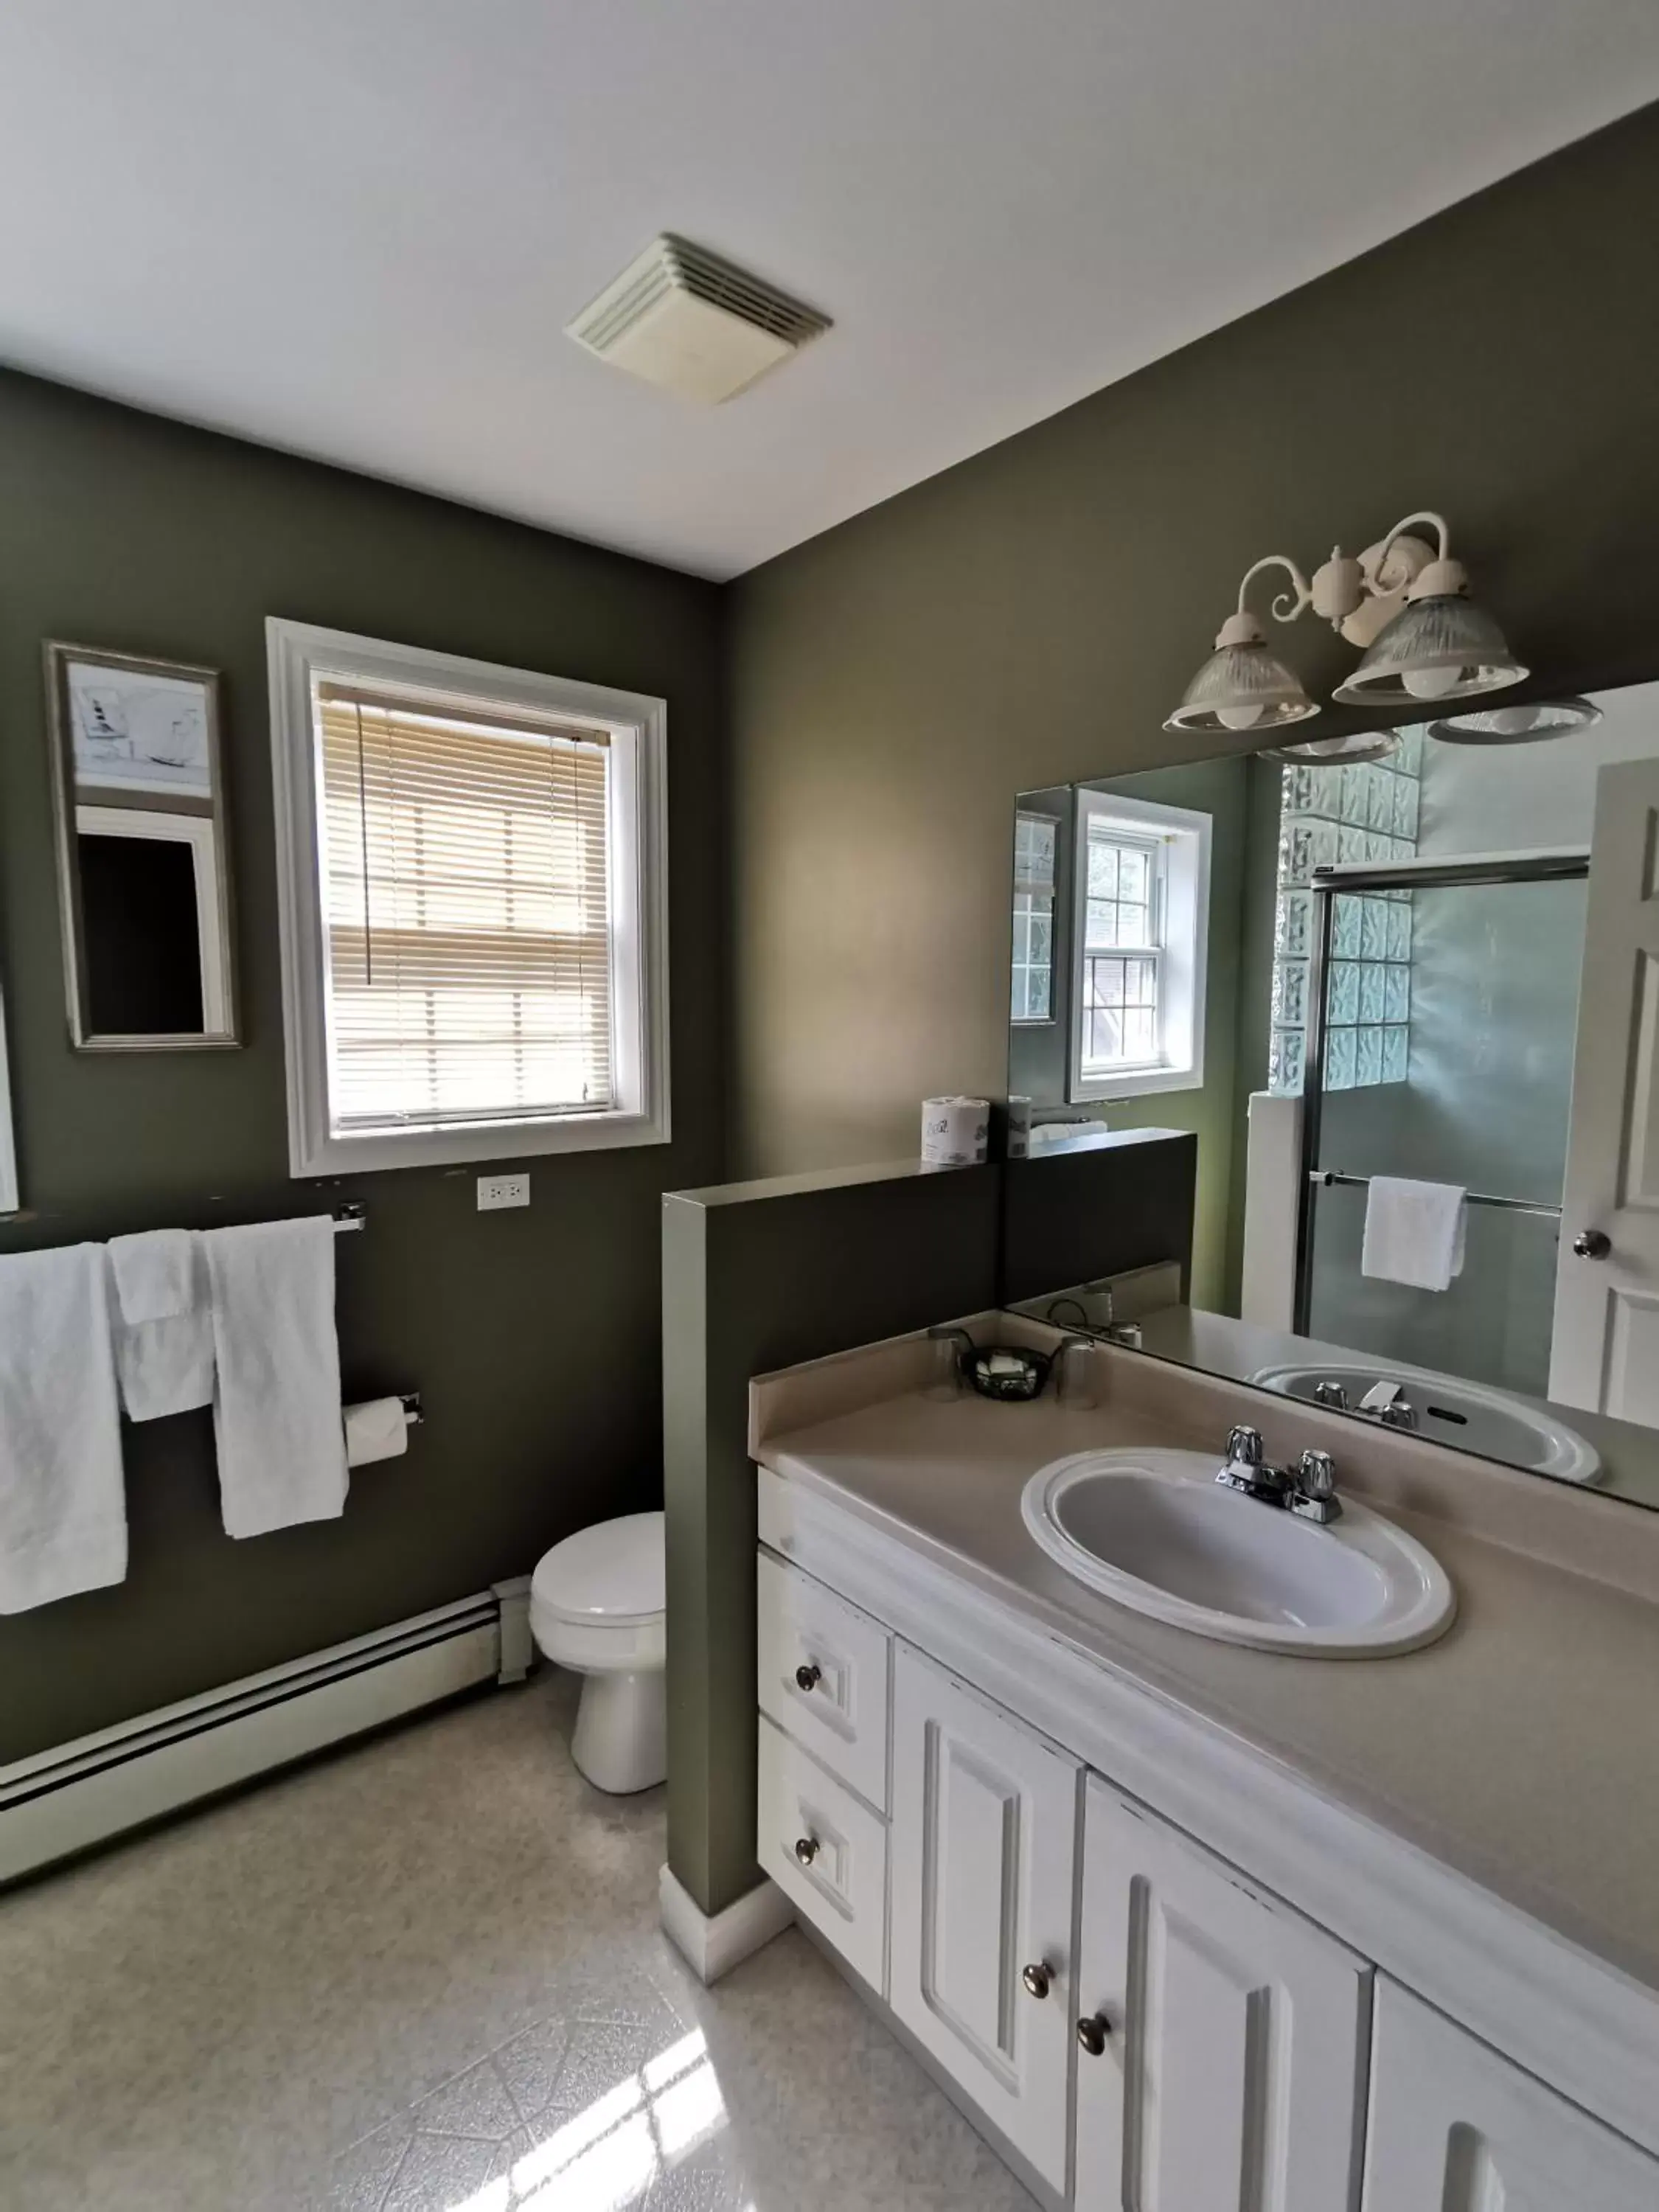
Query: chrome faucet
[[1308, 1489], [1331, 1394], [1245, 1469]]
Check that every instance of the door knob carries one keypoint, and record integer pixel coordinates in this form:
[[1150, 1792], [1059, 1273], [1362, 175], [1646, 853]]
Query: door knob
[[1036, 1979], [1592, 1244], [808, 1677], [1091, 2033], [806, 1850]]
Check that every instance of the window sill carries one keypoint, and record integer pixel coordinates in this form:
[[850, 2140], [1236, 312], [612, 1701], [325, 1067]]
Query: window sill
[[1140, 1083], [462, 1143]]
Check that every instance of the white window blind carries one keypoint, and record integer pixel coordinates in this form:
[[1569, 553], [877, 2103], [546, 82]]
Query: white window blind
[[468, 914]]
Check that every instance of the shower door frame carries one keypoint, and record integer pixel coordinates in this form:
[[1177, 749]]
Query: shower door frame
[[1555, 866]]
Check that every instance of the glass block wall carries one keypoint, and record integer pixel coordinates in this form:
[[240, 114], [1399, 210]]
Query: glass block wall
[[1364, 810]]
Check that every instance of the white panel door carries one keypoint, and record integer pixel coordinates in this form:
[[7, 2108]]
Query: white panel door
[[1222, 2036], [1454, 2128], [982, 1856], [1605, 1350]]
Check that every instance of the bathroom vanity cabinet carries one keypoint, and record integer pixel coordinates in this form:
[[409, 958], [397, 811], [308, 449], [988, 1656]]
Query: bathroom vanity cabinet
[[1135, 2020]]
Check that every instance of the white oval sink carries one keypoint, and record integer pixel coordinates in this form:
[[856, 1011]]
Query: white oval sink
[[1153, 1529], [1470, 1416]]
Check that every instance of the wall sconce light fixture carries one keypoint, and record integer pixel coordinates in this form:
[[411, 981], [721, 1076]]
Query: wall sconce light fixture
[[1404, 602]]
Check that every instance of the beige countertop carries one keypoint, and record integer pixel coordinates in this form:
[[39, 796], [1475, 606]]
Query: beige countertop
[[1521, 1749]]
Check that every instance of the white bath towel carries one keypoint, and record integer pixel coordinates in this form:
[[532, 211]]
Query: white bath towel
[[164, 1323], [1414, 1232], [276, 1398], [62, 1506]]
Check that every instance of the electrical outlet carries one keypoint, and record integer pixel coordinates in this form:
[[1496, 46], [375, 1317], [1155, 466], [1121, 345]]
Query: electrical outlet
[[497, 1191]]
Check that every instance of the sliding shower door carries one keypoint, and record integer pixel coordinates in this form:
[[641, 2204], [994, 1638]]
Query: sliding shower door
[[1454, 1064]]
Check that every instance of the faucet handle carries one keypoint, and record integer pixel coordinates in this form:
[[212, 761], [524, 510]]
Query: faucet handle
[[1315, 1474], [1244, 1447], [1313, 1489]]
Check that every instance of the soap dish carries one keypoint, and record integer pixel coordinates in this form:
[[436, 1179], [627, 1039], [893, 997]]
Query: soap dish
[[1007, 1370]]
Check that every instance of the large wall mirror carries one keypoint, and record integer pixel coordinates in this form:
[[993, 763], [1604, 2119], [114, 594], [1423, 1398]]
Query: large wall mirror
[[143, 882], [1436, 959]]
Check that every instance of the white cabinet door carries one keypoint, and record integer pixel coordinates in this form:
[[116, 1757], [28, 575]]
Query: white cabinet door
[[1222, 2036], [1605, 1350], [1454, 2128], [982, 1856]]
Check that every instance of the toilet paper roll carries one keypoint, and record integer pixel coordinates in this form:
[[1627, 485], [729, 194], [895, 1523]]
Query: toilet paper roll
[[377, 1429], [955, 1132]]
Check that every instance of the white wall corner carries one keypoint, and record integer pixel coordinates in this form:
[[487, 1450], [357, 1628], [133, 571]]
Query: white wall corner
[[1272, 1194], [518, 1645], [712, 1947]]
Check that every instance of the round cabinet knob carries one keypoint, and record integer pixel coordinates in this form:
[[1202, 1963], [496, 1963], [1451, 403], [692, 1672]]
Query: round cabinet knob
[[808, 1677], [1036, 1979], [1091, 2033], [807, 1848], [1592, 1244]]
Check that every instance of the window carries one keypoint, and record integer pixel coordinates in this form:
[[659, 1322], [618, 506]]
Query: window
[[1036, 839], [1143, 920], [472, 906]]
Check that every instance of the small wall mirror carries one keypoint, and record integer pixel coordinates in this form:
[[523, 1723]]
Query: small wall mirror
[[142, 876], [1434, 959]]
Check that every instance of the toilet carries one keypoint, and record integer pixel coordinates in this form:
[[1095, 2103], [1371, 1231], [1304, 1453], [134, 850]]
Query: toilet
[[597, 1606]]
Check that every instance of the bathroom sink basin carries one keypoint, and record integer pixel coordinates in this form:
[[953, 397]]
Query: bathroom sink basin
[[1153, 1529], [1469, 1415]]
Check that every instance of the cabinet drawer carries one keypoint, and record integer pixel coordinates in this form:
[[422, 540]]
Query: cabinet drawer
[[842, 1887], [823, 1675]]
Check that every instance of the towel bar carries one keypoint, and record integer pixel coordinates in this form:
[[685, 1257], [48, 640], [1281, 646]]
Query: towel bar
[[1327, 1176]]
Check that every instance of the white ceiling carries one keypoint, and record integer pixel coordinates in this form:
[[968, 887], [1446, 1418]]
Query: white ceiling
[[355, 227]]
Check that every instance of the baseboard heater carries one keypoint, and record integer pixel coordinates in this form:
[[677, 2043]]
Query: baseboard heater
[[63, 1800]]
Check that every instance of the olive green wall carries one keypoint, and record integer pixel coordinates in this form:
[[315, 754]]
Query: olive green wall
[[1030, 616], [534, 1336]]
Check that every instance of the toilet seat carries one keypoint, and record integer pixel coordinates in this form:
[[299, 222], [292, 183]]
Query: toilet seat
[[598, 1600], [612, 1574]]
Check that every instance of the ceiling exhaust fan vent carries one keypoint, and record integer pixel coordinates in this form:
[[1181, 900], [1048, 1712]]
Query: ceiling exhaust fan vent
[[682, 318]]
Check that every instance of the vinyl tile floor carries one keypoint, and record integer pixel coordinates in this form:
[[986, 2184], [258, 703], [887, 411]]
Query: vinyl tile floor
[[425, 1975]]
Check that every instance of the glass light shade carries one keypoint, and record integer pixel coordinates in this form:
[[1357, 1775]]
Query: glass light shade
[[1518, 726], [1241, 688], [1444, 648], [1331, 752]]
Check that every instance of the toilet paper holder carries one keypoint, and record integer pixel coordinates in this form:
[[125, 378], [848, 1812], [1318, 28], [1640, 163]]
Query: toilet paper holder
[[414, 1414]]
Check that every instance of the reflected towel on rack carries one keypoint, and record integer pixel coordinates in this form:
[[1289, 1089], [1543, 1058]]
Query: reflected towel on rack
[[164, 1323], [1414, 1232], [277, 1400], [62, 1505]]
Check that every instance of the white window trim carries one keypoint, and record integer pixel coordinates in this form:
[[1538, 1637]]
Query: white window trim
[[1181, 981], [300, 655]]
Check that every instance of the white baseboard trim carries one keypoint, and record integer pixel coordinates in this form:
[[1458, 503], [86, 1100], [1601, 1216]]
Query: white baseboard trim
[[61, 1801], [712, 1947], [518, 1653]]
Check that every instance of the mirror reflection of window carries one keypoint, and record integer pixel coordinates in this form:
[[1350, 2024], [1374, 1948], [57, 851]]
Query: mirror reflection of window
[[1036, 837]]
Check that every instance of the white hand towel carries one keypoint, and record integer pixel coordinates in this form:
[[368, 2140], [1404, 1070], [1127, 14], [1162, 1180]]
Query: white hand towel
[[1414, 1232], [62, 1506], [164, 1330], [154, 1273], [377, 1429], [276, 1400]]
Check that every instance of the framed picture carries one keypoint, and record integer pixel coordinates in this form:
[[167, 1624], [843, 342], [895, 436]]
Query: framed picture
[[143, 874]]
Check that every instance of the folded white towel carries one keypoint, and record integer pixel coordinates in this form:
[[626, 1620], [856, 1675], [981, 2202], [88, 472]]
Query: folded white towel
[[62, 1506], [154, 1273], [164, 1329], [1414, 1232], [277, 1400]]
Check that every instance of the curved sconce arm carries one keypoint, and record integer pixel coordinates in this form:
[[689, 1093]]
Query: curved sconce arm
[[1241, 627]]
